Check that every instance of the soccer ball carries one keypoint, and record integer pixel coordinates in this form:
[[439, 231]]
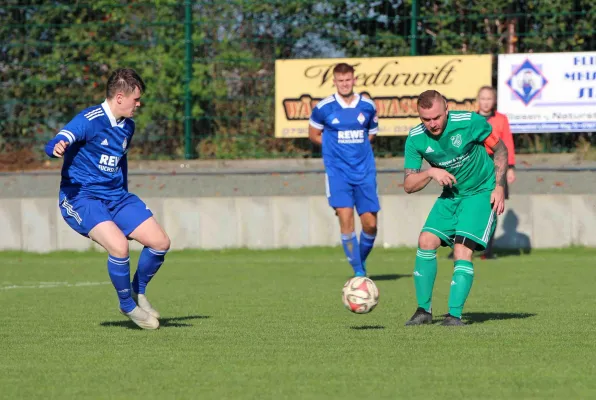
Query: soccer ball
[[360, 295]]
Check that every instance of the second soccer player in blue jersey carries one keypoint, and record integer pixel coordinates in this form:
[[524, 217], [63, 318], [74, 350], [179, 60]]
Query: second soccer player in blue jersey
[[344, 125], [94, 198]]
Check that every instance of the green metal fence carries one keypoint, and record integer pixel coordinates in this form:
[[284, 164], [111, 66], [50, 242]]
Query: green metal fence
[[209, 65]]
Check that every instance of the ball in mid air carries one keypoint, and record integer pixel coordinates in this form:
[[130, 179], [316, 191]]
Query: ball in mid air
[[360, 295]]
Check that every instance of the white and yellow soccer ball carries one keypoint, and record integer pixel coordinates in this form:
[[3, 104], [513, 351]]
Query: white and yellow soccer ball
[[360, 295]]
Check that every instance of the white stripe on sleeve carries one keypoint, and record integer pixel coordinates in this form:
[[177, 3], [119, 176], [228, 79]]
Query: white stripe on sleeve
[[69, 136], [315, 124]]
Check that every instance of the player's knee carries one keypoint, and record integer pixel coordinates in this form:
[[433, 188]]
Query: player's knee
[[162, 244], [428, 241], [370, 226], [346, 227], [346, 220], [463, 248], [461, 252], [370, 229], [119, 248]]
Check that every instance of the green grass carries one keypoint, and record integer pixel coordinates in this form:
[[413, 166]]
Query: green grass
[[270, 325]]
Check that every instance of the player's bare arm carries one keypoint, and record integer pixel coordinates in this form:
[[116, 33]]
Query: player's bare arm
[[500, 158], [416, 180], [315, 135]]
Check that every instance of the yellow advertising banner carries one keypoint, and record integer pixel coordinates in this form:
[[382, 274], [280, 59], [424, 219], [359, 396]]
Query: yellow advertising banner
[[394, 84]]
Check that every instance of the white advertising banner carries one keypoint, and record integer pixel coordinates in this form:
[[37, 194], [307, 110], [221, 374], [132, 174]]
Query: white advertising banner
[[548, 92]]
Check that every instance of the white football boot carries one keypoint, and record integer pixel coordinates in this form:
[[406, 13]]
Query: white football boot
[[142, 318], [142, 302]]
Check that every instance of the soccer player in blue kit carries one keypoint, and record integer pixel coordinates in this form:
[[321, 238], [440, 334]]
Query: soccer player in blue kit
[[94, 198], [344, 125]]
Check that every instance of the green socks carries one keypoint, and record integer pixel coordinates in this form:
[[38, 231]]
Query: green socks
[[425, 273], [461, 283]]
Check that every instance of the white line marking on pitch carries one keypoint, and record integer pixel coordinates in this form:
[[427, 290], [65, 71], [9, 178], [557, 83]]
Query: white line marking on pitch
[[48, 285]]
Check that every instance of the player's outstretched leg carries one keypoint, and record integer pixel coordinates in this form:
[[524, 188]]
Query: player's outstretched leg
[[461, 284], [367, 236], [119, 271], [109, 236], [157, 244], [149, 263], [425, 272]]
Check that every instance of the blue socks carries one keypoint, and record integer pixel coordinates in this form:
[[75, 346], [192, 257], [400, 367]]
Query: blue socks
[[367, 242], [149, 264], [352, 250], [119, 271], [358, 253]]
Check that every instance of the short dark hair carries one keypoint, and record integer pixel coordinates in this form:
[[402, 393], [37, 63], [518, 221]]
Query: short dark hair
[[428, 98], [125, 80], [343, 68]]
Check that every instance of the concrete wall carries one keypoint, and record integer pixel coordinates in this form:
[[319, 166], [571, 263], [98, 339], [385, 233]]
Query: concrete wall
[[536, 221]]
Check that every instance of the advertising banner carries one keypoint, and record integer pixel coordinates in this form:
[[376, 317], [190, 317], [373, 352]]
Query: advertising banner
[[548, 92], [394, 84]]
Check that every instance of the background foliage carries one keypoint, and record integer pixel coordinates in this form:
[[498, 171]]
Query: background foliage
[[55, 57]]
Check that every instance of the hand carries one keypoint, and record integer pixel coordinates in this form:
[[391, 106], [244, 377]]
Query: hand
[[497, 199], [60, 148], [510, 176], [443, 177]]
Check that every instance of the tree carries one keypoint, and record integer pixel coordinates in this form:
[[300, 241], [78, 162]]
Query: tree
[[56, 56]]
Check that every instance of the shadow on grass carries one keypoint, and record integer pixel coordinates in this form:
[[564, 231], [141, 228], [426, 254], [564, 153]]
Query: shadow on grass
[[480, 317], [367, 327], [174, 322], [389, 277], [501, 253], [498, 253]]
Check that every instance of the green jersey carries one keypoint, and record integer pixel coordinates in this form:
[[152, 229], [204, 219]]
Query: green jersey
[[459, 150]]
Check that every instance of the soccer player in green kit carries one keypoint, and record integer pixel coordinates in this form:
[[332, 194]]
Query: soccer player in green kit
[[463, 217]]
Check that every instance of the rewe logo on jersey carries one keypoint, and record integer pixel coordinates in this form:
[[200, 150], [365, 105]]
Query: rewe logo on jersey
[[353, 136], [108, 163]]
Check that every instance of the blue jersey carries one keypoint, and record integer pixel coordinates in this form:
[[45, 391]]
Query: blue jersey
[[347, 151], [95, 160]]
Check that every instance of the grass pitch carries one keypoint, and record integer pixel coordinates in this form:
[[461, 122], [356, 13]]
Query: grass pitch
[[271, 325]]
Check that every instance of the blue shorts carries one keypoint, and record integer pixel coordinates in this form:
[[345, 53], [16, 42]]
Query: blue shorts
[[343, 194], [83, 213]]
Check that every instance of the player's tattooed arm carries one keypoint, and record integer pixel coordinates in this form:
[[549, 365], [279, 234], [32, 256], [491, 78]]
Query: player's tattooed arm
[[408, 186], [409, 171], [415, 180], [500, 157]]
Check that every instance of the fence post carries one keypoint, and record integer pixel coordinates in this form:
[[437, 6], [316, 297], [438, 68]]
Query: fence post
[[413, 28], [188, 151]]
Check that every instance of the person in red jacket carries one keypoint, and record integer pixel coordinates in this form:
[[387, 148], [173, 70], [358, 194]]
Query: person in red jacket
[[487, 103]]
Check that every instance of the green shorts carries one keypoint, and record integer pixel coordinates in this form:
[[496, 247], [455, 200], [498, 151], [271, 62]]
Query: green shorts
[[471, 217]]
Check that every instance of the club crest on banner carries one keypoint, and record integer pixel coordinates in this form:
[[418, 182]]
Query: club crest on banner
[[526, 82]]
